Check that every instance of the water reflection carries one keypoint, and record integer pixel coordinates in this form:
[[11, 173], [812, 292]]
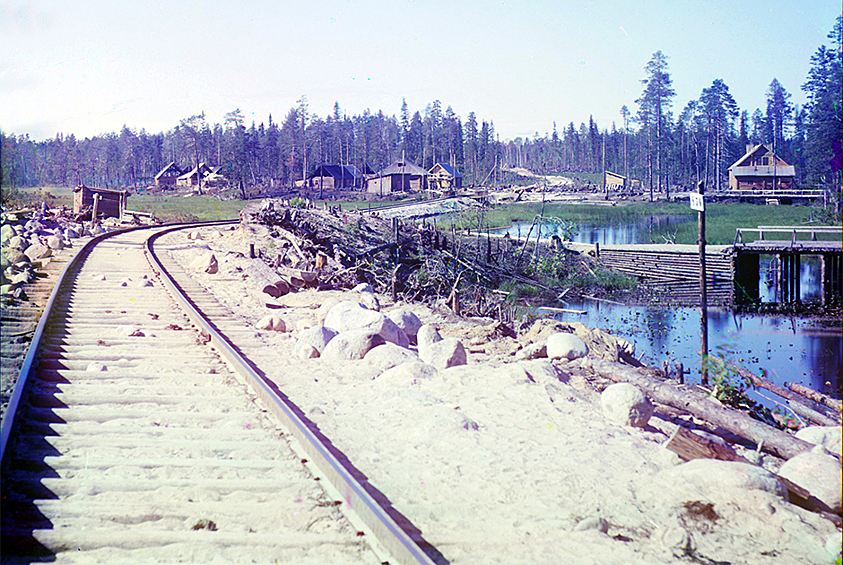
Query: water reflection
[[787, 349], [810, 273], [650, 229]]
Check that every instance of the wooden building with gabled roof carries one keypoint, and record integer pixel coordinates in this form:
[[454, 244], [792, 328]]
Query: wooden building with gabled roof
[[168, 175], [444, 177], [761, 169], [400, 176], [335, 177]]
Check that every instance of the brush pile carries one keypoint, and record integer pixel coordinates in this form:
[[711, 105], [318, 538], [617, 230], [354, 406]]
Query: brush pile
[[334, 248]]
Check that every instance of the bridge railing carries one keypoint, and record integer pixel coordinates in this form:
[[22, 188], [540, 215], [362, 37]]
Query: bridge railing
[[792, 230]]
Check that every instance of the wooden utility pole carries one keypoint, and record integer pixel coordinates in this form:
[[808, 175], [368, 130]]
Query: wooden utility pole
[[703, 294], [605, 184]]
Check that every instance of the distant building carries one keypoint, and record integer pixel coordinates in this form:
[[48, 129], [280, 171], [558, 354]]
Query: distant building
[[333, 177], [759, 169], [112, 203], [210, 176], [168, 175], [616, 182], [444, 177], [401, 176]]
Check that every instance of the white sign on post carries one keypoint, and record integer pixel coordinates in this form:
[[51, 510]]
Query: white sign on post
[[697, 202]]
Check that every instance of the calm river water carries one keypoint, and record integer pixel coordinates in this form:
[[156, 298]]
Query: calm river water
[[794, 349], [788, 349]]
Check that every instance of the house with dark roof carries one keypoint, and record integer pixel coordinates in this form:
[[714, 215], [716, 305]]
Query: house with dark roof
[[444, 177], [333, 177], [761, 169], [400, 176], [168, 175]]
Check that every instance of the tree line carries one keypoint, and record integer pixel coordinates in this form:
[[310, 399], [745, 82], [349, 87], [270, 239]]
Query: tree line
[[651, 144]]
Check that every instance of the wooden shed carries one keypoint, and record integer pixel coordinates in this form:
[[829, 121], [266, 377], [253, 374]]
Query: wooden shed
[[112, 203], [401, 176]]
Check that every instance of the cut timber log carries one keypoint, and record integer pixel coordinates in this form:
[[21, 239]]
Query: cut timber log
[[688, 445], [774, 441], [817, 397], [562, 310], [798, 404]]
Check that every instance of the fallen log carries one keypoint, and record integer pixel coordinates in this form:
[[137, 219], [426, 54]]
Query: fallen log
[[798, 404], [817, 397], [689, 445], [562, 310], [774, 441]]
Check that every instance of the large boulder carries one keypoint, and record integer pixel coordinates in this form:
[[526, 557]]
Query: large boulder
[[407, 321], [352, 345], [826, 436], [624, 404], [448, 352], [347, 316], [426, 336], [818, 473], [407, 374], [566, 346], [55, 242], [273, 322], [389, 355], [205, 263], [37, 251], [325, 307], [317, 337], [7, 232], [19, 243]]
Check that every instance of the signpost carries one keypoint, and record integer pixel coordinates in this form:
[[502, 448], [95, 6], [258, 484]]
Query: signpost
[[698, 204]]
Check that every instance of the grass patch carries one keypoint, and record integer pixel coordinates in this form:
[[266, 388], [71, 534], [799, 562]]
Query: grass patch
[[185, 208]]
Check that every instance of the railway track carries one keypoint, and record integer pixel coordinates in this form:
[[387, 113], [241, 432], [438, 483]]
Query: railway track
[[141, 435]]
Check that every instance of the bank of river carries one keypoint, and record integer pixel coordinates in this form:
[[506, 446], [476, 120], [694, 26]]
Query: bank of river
[[786, 349]]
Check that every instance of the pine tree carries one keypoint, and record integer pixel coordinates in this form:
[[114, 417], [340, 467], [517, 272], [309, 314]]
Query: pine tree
[[824, 88], [653, 103]]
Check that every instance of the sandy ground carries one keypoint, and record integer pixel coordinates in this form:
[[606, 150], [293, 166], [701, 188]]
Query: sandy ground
[[500, 461]]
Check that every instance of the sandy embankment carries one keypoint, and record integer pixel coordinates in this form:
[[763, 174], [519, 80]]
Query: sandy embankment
[[501, 461]]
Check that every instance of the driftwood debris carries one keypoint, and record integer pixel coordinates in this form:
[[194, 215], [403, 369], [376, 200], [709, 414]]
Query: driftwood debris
[[817, 397], [798, 404], [777, 442]]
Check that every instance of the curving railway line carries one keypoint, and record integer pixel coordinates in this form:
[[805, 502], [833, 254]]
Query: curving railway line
[[138, 433]]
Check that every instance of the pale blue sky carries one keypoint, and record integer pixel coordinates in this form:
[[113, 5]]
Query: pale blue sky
[[89, 67]]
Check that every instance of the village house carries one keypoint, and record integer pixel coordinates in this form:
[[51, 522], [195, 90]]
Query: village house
[[332, 177], [761, 169], [210, 177], [444, 177], [168, 175], [111, 203], [401, 176]]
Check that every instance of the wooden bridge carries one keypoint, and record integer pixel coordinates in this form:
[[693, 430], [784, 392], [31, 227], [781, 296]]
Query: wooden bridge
[[732, 271], [788, 257]]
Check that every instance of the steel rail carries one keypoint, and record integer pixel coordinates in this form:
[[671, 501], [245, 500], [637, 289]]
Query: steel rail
[[30, 361], [394, 539]]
